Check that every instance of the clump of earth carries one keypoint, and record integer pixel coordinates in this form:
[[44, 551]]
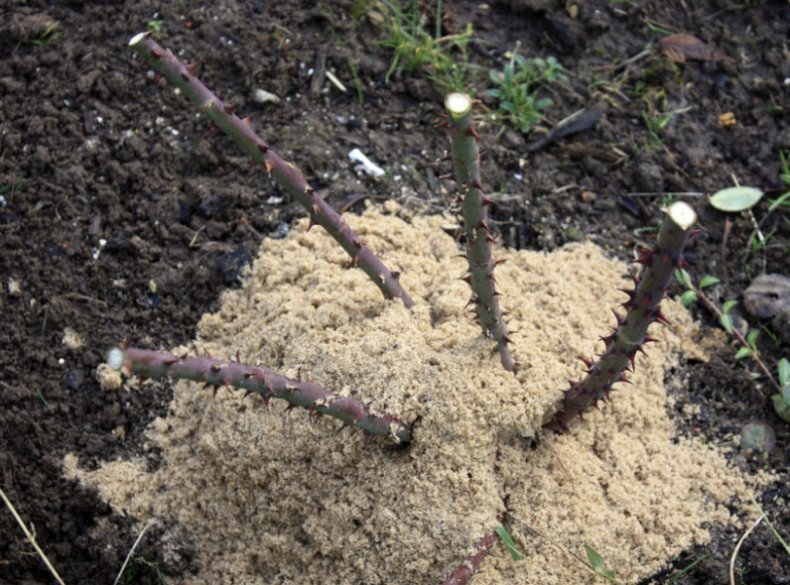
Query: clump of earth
[[266, 496]]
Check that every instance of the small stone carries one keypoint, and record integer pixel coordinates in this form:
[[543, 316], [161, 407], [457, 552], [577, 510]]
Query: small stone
[[261, 96], [588, 196], [71, 339]]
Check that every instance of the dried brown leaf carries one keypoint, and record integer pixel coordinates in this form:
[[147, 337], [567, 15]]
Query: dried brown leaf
[[684, 47]]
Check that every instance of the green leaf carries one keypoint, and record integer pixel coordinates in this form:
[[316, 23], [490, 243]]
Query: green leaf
[[726, 322], [688, 297], [783, 370], [506, 539], [596, 560], [736, 198], [729, 305], [782, 407], [683, 277], [598, 564], [708, 281], [743, 352], [751, 338]]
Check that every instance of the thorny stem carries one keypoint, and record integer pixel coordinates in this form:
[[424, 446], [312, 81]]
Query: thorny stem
[[466, 161], [254, 379], [643, 306], [284, 173], [737, 334], [468, 567]]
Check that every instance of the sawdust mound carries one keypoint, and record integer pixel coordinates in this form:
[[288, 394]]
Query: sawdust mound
[[268, 497]]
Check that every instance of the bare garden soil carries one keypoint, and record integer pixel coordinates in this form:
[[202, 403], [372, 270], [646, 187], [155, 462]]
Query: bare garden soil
[[121, 219]]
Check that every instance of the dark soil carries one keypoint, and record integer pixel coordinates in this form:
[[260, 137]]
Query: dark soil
[[120, 220]]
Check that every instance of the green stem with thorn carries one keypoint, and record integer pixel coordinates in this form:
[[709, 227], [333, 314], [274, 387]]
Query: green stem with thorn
[[630, 334], [466, 161], [284, 173], [213, 372]]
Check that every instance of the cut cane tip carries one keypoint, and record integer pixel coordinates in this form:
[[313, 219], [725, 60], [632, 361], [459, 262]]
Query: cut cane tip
[[458, 104], [138, 37], [682, 214], [115, 358]]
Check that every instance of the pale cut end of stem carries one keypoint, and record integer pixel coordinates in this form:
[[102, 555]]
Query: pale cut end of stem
[[682, 214], [458, 105], [137, 38], [115, 358]]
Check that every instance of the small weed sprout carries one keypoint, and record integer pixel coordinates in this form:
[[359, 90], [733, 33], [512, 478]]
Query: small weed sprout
[[417, 49], [599, 565], [781, 399], [155, 26], [518, 85], [747, 341], [50, 34]]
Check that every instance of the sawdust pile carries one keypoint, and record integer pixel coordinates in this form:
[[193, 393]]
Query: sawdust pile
[[268, 497]]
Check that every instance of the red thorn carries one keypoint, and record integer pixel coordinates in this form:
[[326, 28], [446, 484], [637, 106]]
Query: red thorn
[[229, 109], [645, 256], [158, 77], [215, 368], [659, 316], [185, 77], [238, 357], [649, 339], [155, 54], [263, 147], [192, 67], [487, 200], [607, 339], [247, 120], [472, 131]]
